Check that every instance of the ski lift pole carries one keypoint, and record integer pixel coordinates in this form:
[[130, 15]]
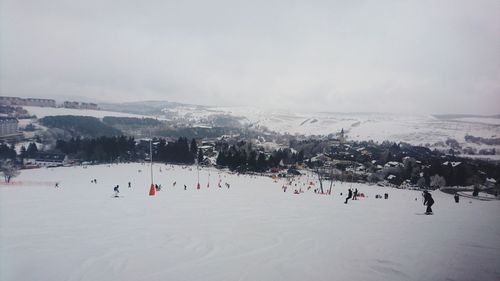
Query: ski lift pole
[[198, 169], [152, 188]]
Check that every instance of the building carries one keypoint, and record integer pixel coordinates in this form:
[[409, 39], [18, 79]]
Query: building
[[47, 159], [13, 101], [88, 105], [40, 102], [8, 126], [71, 104]]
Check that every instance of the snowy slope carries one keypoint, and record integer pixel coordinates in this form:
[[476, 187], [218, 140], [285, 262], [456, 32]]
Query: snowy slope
[[415, 129], [41, 112], [251, 231]]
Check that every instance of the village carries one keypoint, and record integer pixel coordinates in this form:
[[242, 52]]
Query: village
[[241, 150]]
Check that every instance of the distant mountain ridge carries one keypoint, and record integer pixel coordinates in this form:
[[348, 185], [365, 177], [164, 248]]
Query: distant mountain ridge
[[455, 116]]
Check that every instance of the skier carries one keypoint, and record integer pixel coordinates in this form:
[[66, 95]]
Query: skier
[[349, 196], [116, 190], [457, 198], [185, 187], [129, 185], [57, 184], [428, 201], [355, 196]]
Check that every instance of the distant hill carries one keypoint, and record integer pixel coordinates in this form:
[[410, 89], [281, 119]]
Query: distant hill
[[144, 107], [456, 116], [85, 126]]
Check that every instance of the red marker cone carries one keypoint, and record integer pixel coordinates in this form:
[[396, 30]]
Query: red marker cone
[[152, 190]]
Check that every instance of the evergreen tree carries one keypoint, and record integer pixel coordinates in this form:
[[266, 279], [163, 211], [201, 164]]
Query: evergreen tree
[[22, 153], [7, 152], [200, 156], [300, 157], [261, 162], [221, 158], [252, 159], [32, 150], [194, 147]]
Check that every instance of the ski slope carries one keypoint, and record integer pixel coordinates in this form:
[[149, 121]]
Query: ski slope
[[251, 231]]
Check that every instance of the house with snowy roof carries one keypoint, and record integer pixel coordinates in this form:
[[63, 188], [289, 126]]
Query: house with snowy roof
[[44, 159]]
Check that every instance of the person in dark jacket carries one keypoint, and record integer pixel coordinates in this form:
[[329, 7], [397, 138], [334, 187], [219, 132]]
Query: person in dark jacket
[[349, 196], [116, 190], [457, 198], [428, 201]]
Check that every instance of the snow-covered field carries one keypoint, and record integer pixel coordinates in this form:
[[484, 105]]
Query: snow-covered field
[[413, 129], [251, 231], [41, 112]]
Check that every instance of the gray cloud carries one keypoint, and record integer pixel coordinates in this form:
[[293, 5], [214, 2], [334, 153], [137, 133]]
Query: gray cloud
[[391, 56]]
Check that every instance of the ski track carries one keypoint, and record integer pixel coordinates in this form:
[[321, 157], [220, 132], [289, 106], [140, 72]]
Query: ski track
[[252, 231]]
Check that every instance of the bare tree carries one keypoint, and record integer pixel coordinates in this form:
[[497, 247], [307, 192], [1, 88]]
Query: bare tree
[[437, 181], [9, 170], [331, 181], [320, 181]]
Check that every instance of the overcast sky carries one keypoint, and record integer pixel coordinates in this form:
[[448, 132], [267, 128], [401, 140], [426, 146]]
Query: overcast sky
[[377, 56]]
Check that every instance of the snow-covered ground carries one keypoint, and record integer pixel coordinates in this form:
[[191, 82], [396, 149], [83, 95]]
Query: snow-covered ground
[[413, 129], [41, 112], [251, 231]]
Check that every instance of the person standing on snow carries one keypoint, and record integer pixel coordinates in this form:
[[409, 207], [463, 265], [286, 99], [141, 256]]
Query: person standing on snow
[[349, 196], [428, 201], [116, 190]]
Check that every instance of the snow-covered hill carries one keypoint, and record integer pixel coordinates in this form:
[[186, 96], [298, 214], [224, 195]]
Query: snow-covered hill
[[251, 231], [414, 129], [41, 112]]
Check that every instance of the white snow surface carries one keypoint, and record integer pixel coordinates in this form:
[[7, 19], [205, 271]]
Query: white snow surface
[[251, 231], [41, 112], [411, 128]]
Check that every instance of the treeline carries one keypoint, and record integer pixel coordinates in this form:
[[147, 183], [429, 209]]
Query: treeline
[[130, 121], [110, 149], [175, 152], [9, 152], [197, 132], [242, 157], [102, 149], [80, 125]]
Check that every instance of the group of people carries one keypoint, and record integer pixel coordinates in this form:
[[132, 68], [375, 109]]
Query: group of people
[[351, 194]]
